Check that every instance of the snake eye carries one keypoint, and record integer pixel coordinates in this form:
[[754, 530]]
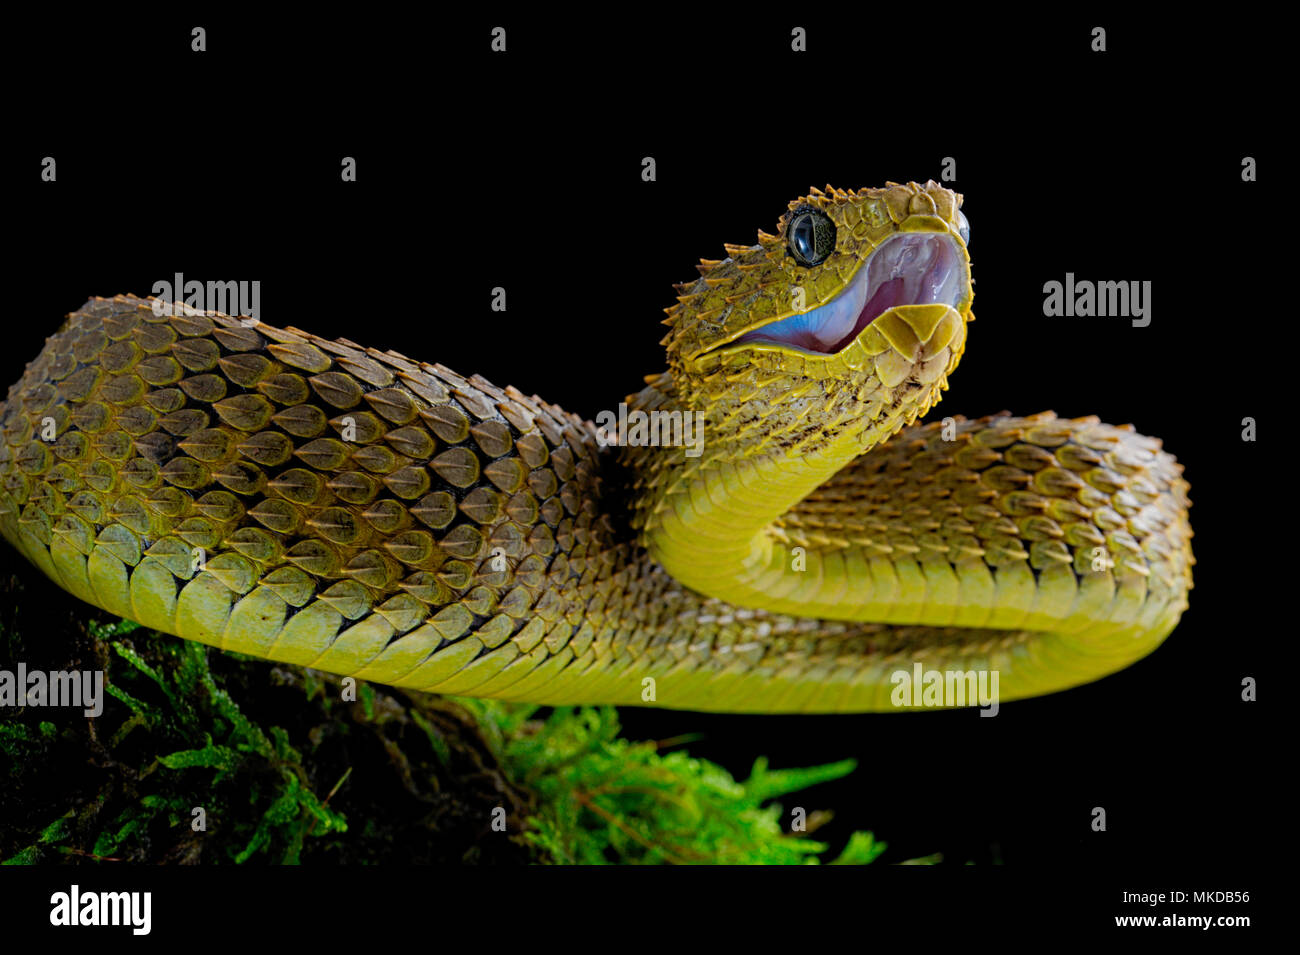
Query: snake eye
[[811, 237], [963, 228]]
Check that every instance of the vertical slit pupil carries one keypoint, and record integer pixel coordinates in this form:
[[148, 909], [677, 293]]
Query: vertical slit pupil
[[804, 237]]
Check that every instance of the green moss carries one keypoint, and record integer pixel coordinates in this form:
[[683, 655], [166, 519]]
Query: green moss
[[283, 764], [286, 768], [606, 799]]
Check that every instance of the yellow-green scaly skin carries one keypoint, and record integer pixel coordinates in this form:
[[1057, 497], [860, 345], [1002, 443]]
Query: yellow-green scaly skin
[[191, 472]]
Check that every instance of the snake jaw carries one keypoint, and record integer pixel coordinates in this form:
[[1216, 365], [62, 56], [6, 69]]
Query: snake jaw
[[908, 269]]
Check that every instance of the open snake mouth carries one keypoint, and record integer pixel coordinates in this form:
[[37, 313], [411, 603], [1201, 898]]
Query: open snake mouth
[[912, 268]]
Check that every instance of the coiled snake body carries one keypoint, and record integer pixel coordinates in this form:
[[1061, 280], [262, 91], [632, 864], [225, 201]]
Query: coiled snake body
[[316, 502]]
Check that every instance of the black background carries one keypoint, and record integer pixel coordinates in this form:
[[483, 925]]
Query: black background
[[523, 170]]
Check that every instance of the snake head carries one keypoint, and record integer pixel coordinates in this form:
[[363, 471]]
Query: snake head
[[858, 304]]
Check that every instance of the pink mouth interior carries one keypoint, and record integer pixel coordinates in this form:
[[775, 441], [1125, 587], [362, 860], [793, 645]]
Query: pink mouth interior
[[912, 268], [892, 292]]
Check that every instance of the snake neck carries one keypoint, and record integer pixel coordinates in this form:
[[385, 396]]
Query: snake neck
[[711, 514]]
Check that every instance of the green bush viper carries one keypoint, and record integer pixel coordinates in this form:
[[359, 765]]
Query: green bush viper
[[321, 503]]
